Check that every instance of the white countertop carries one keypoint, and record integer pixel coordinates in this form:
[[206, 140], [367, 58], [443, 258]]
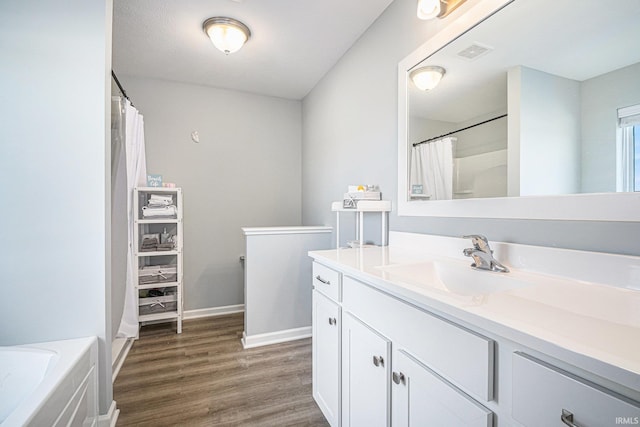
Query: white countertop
[[590, 325]]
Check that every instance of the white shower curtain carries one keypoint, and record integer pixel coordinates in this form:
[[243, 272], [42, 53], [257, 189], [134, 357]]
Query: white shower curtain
[[432, 167], [136, 164]]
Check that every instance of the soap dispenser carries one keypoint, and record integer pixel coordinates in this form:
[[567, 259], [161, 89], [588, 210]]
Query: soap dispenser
[[164, 237]]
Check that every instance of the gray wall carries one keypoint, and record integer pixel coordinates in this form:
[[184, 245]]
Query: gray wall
[[350, 136], [245, 172], [54, 169], [549, 132]]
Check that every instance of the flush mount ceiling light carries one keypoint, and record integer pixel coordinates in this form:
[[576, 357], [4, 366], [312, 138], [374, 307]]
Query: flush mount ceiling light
[[426, 78], [429, 9], [227, 34]]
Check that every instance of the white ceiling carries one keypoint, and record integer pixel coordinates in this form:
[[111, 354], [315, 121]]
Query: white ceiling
[[575, 40], [293, 43]]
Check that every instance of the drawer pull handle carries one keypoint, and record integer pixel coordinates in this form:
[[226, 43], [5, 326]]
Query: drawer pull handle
[[398, 377], [378, 361], [567, 418], [321, 280], [332, 320]]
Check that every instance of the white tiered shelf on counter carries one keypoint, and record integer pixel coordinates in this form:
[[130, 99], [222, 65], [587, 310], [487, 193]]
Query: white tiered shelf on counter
[[158, 273], [364, 206]]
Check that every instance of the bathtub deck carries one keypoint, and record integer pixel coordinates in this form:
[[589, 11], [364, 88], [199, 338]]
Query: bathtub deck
[[203, 377]]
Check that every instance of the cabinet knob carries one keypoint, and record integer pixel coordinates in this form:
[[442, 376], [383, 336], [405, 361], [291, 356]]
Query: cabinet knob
[[398, 377], [321, 280], [567, 418], [378, 361], [332, 321]]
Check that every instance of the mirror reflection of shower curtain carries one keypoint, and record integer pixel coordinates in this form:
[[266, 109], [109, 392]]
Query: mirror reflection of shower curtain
[[432, 168], [136, 165]]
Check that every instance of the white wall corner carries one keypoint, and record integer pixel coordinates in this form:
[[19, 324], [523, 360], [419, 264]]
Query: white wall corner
[[109, 419]]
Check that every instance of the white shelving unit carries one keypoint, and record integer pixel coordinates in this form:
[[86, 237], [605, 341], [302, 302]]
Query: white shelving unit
[[381, 206], [158, 273]]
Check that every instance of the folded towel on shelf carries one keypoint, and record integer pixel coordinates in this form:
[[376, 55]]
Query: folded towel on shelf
[[158, 204], [161, 197], [149, 244], [161, 211], [160, 200], [165, 246]]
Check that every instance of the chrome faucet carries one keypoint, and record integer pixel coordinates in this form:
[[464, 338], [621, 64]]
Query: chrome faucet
[[483, 255]]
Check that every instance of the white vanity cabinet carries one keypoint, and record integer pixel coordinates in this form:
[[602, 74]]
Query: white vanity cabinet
[[543, 393], [366, 357], [421, 348], [390, 352], [326, 330], [381, 387]]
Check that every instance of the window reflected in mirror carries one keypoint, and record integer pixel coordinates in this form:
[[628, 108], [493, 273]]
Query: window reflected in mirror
[[628, 149]]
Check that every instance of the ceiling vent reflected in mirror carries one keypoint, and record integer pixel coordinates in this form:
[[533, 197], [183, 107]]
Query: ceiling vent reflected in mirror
[[475, 51]]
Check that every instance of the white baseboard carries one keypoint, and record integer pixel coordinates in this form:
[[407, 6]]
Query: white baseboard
[[120, 350], [275, 337], [213, 311], [109, 419]]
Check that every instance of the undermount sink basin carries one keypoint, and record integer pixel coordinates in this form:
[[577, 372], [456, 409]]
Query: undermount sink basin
[[453, 277]]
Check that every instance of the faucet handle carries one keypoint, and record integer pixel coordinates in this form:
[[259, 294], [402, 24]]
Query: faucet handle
[[479, 241]]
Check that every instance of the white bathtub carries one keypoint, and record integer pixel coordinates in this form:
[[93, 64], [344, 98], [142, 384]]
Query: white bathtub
[[49, 384]]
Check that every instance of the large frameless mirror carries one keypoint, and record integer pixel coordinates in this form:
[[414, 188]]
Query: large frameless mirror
[[528, 102]]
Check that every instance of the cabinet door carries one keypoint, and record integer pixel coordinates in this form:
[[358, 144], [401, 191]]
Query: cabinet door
[[422, 398], [326, 357], [365, 375]]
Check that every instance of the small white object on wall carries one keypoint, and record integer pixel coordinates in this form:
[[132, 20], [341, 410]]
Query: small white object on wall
[[195, 136]]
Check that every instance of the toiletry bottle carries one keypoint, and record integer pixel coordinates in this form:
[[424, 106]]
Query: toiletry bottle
[[164, 237]]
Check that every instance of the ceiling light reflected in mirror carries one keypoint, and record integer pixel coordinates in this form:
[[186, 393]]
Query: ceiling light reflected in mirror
[[427, 78]]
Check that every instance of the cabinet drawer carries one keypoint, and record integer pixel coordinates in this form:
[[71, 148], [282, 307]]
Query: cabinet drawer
[[463, 357], [327, 281], [541, 392]]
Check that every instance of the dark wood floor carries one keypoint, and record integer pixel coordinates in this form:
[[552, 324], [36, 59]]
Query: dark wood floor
[[203, 377]]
